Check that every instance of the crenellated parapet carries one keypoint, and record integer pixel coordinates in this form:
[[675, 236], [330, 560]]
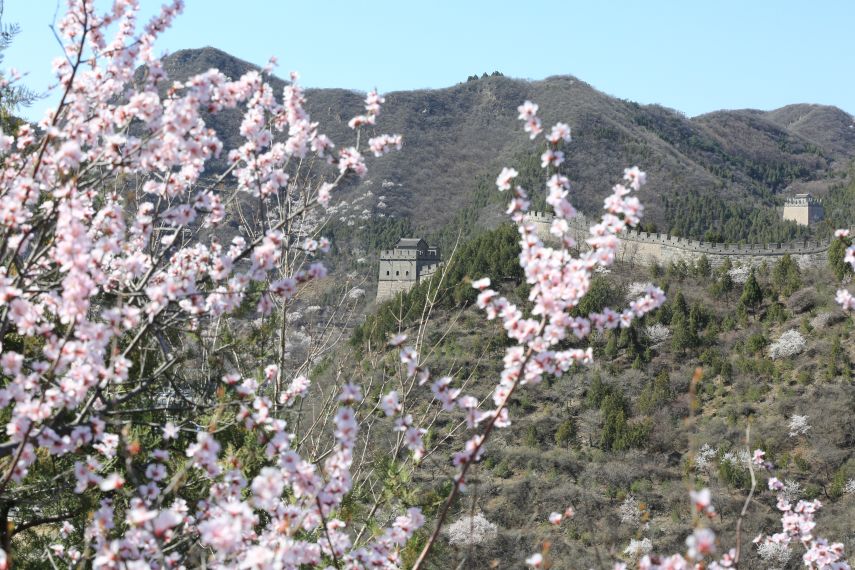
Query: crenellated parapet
[[648, 248]]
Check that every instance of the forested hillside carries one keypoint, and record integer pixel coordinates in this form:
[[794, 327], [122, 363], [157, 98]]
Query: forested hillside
[[716, 176], [666, 407]]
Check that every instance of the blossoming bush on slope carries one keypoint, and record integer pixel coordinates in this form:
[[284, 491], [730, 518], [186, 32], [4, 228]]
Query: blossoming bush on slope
[[789, 344]]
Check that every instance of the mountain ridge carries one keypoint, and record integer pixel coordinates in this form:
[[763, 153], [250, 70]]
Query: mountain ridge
[[457, 135]]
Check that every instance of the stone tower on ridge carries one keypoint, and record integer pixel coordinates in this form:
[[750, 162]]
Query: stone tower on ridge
[[411, 261], [803, 209]]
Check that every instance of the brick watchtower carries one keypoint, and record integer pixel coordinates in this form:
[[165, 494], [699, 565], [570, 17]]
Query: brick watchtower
[[409, 262], [803, 209]]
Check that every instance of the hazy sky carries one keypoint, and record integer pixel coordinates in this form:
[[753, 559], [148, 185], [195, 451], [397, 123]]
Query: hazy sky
[[693, 55]]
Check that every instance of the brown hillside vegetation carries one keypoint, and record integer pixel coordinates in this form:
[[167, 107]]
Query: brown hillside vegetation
[[460, 134]]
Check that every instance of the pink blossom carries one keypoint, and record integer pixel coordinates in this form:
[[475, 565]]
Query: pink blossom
[[505, 177], [390, 403]]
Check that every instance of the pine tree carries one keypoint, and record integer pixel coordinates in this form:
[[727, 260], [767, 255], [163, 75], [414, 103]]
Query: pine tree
[[836, 254], [786, 277], [12, 96], [682, 335], [752, 294], [703, 267]]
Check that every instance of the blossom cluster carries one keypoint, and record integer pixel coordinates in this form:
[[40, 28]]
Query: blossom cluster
[[97, 277], [543, 340], [797, 528], [790, 343]]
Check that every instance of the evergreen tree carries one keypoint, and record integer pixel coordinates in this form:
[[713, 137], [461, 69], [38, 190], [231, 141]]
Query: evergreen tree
[[655, 393], [683, 337], [752, 294], [12, 96], [786, 277], [680, 305], [703, 267], [836, 255], [566, 433]]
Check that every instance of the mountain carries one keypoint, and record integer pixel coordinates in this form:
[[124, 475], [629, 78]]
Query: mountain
[[701, 171], [666, 405]]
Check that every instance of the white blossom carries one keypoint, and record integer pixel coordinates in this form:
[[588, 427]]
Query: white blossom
[[630, 513], [773, 553], [704, 457], [637, 289], [471, 530], [638, 548], [657, 333], [739, 274], [799, 425], [792, 490], [789, 344]]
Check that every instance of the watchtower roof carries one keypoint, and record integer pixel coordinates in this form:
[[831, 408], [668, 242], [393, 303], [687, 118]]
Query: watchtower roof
[[410, 243]]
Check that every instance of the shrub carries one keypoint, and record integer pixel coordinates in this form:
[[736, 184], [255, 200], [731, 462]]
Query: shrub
[[470, 529], [565, 435], [789, 344]]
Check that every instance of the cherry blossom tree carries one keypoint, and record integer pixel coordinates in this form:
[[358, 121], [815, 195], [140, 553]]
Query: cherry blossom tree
[[114, 276], [110, 259]]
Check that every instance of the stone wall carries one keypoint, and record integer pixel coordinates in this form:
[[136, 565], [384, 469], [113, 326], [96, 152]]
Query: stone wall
[[647, 248], [388, 289]]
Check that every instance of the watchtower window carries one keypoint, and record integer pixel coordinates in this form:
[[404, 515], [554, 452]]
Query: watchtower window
[[406, 272], [397, 273], [387, 273]]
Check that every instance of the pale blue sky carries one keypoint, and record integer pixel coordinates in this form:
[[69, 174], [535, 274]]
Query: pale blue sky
[[694, 56]]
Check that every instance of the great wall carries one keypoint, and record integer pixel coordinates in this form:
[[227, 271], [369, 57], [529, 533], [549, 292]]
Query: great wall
[[412, 259], [645, 248]]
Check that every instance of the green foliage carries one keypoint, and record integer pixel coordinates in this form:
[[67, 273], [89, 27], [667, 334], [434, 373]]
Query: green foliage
[[494, 254], [12, 94], [703, 267], [837, 359], [839, 205], [611, 350], [755, 343], [711, 217], [656, 392], [683, 333], [532, 439], [618, 433], [603, 293], [733, 474], [503, 469], [752, 294], [786, 277], [565, 435], [374, 234], [836, 255], [680, 307], [597, 391], [838, 484]]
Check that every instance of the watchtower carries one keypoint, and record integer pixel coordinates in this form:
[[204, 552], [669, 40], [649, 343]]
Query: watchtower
[[409, 262], [803, 209]]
